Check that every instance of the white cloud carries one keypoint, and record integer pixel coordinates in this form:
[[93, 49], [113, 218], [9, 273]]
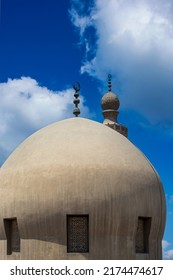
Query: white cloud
[[26, 106], [165, 244], [170, 199], [135, 44], [167, 254], [82, 18], [81, 22]]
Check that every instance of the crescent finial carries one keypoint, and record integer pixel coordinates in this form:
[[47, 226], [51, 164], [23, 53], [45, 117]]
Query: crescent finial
[[76, 86]]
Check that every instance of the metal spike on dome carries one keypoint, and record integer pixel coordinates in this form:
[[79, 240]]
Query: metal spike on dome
[[76, 101], [109, 82]]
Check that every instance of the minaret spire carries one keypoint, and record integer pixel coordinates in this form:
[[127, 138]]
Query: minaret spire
[[109, 82], [76, 101]]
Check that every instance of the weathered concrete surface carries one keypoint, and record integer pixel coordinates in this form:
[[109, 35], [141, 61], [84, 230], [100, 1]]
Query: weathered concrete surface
[[78, 166]]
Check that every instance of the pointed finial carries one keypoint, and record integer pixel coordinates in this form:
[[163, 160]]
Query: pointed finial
[[109, 82], [76, 101]]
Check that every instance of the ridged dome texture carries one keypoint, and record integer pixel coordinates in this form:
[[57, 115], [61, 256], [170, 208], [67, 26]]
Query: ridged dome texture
[[80, 167]]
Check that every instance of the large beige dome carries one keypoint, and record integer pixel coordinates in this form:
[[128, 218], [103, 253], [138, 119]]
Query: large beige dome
[[80, 167]]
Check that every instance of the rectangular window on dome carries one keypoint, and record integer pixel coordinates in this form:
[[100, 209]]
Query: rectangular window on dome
[[142, 235], [12, 234], [77, 233]]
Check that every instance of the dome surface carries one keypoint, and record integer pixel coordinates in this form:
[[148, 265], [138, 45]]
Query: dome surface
[[80, 167]]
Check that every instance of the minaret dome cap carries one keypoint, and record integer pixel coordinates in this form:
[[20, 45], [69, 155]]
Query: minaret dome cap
[[110, 101]]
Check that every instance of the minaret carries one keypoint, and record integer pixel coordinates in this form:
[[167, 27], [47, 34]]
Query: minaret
[[110, 105]]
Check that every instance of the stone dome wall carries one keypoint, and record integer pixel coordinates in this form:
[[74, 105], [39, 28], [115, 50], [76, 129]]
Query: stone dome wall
[[80, 167]]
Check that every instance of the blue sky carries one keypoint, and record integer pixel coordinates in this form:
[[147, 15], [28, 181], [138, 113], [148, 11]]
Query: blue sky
[[47, 45]]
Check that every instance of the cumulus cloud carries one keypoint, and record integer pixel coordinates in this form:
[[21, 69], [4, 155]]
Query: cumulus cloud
[[26, 106], [135, 44], [167, 254]]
